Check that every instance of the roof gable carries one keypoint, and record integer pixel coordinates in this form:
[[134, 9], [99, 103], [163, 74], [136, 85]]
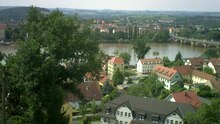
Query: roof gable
[[189, 97], [203, 75], [151, 61], [116, 60], [165, 72], [183, 70]]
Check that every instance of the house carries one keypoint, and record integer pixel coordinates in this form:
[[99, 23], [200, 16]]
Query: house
[[137, 110], [114, 64], [214, 64], [195, 63], [70, 106], [89, 91], [147, 65], [199, 77], [167, 75], [2, 31], [188, 97], [184, 71]]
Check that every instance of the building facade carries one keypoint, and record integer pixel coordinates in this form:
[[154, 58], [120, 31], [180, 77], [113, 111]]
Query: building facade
[[168, 76], [114, 64], [137, 110], [147, 65]]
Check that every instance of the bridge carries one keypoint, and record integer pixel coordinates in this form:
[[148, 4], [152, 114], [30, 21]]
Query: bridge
[[196, 42]]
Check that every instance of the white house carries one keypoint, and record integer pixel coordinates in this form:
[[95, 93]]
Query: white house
[[137, 110], [195, 63], [168, 76], [214, 64], [199, 77], [147, 65]]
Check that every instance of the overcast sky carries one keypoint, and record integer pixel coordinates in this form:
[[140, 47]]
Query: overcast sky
[[179, 5]]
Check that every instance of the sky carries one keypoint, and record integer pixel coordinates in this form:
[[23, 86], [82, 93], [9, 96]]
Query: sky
[[159, 5]]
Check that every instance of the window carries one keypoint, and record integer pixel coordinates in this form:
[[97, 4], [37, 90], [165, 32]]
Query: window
[[141, 117], [125, 114], [121, 113], [171, 122], [126, 122], [129, 114], [155, 118], [168, 121], [105, 119], [121, 122], [176, 122], [174, 113], [118, 112], [180, 122]]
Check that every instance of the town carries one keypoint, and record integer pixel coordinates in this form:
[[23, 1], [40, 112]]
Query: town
[[54, 71]]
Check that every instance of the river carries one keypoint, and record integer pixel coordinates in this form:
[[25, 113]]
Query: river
[[165, 49]]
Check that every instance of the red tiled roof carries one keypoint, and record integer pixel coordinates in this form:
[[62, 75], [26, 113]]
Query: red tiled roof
[[196, 61], [153, 60], [2, 26], [164, 72], [183, 70], [70, 97], [188, 97], [216, 84], [89, 90], [215, 61], [203, 75], [116, 60]]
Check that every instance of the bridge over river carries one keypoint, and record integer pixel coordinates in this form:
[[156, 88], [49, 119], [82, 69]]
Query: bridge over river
[[196, 42]]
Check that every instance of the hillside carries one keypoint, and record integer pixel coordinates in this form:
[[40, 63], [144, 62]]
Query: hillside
[[16, 13]]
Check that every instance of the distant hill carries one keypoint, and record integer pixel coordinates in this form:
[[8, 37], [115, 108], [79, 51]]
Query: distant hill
[[16, 13]]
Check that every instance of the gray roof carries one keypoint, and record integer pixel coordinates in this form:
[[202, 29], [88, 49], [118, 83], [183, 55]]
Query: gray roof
[[151, 104], [151, 107]]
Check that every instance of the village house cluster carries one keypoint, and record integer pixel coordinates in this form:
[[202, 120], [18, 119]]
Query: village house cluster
[[127, 109]]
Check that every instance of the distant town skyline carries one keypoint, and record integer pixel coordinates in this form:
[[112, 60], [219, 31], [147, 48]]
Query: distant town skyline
[[158, 5]]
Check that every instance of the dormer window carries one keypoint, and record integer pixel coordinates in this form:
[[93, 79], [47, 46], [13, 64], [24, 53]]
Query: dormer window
[[155, 118], [141, 117]]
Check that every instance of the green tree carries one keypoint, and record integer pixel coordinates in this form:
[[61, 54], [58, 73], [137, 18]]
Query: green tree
[[167, 62], [204, 91], [206, 114], [130, 81], [126, 57], [117, 77], [94, 107], [107, 88], [179, 59], [83, 110], [211, 53], [140, 48], [2, 55], [38, 79], [208, 70]]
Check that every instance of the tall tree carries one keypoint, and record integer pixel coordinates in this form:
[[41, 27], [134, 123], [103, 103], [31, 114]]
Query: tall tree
[[38, 78], [179, 59], [118, 77], [140, 48], [126, 57]]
